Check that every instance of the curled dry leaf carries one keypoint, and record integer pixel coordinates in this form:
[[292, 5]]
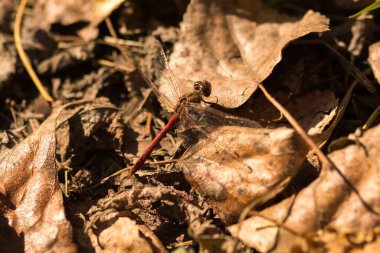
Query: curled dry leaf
[[235, 46], [346, 201], [32, 200], [242, 165]]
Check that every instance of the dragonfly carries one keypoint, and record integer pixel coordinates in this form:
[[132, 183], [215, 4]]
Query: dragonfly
[[187, 110]]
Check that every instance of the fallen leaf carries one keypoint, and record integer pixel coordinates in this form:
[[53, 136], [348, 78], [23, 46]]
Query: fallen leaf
[[342, 201], [33, 198], [314, 110], [66, 59], [123, 236], [235, 47], [87, 86], [374, 59], [156, 208], [72, 11], [6, 10], [8, 61], [362, 32], [235, 166], [88, 120], [34, 205]]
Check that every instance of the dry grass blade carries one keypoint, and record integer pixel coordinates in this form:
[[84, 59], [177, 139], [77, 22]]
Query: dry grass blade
[[372, 118], [22, 54]]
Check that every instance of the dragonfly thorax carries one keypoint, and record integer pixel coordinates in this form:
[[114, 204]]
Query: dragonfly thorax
[[201, 88]]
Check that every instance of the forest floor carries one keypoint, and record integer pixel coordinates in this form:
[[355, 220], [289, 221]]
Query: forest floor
[[282, 155]]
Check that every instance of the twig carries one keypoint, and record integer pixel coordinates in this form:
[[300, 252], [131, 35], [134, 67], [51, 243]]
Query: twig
[[324, 159], [130, 66], [22, 54]]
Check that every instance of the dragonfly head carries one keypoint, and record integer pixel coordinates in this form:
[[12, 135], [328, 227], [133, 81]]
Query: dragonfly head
[[203, 87]]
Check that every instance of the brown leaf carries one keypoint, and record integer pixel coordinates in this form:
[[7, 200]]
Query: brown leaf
[[34, 206], [156, 208], [313, 110], [8, 61], [29, 174], [346, 201], [241, 165], [85, 120], [87, 87], [374, 59], [66, 58], [235, 47], [122, 236], [74, 11]]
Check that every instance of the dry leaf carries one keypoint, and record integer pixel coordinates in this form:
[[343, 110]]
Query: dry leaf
[[235, 47], [7, 62], [329, 201], [241, 165], [34, 206], [314, 110], [87, 87], [157, 209], [122, 236], [374, 59], [88, 120], [32, 195], [73, 11], [66, 58]]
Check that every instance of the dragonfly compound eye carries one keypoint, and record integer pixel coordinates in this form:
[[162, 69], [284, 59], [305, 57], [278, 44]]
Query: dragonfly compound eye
[[203, 86]]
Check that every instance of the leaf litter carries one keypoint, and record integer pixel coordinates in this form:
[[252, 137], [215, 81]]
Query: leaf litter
[[242, 188]]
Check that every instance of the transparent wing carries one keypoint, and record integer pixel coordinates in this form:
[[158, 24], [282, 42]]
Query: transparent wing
[[161, 97], [164, 75], [202, 122], [209, 118]]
